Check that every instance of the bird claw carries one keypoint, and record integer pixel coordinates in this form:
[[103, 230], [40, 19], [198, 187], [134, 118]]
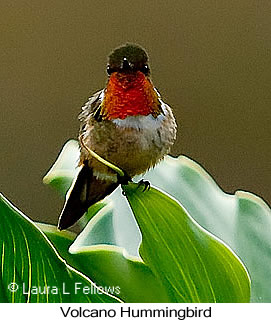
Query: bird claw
[[146, 184]]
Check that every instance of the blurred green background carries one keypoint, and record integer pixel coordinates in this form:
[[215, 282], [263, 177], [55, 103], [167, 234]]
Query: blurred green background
[[210, 60]]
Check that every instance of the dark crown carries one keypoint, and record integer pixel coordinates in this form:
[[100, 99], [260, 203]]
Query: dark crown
[[129, 57]]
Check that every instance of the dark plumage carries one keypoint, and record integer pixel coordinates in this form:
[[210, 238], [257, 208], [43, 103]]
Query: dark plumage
[[129, 57]]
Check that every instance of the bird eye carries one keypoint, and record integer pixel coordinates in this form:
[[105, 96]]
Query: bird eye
[[145, 69], [109, 70]]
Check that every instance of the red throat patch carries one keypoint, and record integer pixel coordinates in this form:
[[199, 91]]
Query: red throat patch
[[129, 95]]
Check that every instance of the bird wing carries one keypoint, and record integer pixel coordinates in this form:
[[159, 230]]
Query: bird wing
[[91, 109], [85, 191]]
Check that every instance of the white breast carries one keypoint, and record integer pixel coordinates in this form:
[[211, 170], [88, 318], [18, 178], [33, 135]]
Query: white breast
[[143, 122]]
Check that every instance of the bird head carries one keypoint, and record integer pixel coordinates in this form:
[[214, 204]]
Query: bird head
[[129, 90]]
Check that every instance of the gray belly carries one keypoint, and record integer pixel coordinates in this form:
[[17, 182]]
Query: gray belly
[[134, 144]]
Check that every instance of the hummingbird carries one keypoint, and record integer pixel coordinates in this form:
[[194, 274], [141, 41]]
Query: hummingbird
[[127, 123]]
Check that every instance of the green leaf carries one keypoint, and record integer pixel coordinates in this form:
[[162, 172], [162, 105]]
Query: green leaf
[[191, 264], [28, 259], [98, 252], [102, 242], [242, 220], [126, 277], [61, 240], [108, 266], [64, 170]]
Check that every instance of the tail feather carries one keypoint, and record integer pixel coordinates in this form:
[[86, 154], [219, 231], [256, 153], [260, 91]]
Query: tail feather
[[85, 191]]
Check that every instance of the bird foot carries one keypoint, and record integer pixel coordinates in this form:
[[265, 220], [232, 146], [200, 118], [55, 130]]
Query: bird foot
[[124, 180], [146, 184]]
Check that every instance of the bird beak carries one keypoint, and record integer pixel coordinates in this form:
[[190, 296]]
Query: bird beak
[[126, 65]]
